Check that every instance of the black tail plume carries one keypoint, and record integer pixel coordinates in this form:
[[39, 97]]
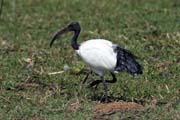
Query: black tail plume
[[126, 61]]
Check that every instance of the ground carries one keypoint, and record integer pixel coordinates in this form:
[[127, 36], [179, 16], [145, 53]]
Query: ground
[[34, 85]]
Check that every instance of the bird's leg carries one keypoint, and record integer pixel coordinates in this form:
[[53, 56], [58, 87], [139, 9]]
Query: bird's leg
[[105, 88], [113, 80], [86, 77], [96, 82]]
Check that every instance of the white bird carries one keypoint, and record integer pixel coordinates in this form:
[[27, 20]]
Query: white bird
[[101, 55]]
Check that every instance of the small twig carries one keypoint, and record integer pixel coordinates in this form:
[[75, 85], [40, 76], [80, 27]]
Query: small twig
[[168, 91], [1, 6], [54, 73]]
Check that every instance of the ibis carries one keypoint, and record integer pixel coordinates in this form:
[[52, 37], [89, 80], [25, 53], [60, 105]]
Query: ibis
[[101, 55]]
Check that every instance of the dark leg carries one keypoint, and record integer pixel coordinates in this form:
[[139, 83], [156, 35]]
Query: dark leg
[[105, 88], [84, 80], [113, 80], [96, 82]]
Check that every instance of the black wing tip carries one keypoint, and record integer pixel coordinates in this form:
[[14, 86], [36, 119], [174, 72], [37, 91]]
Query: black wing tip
[[138, 71], [127, 61]]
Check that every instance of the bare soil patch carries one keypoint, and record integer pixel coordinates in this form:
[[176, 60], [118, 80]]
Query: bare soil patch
[[106, 110]]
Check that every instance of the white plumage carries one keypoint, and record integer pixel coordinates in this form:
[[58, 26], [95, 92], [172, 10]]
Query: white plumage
[[98, 54]]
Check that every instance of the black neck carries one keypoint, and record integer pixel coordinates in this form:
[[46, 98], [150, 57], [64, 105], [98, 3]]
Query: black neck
[[74, 43]]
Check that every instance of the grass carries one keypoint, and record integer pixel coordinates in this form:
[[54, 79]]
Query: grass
[[148, 28]]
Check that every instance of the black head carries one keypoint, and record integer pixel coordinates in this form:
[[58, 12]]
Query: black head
[[74, 26]]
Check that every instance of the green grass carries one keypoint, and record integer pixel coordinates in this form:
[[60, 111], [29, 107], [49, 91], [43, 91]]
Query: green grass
[[148, 28]]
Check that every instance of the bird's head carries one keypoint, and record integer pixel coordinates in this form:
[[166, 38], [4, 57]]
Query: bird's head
[[74, 26]]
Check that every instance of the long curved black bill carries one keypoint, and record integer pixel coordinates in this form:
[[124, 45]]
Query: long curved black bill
[[57, 34]]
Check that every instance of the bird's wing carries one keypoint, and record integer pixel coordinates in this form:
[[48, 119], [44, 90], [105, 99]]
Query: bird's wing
[[127, 61]]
